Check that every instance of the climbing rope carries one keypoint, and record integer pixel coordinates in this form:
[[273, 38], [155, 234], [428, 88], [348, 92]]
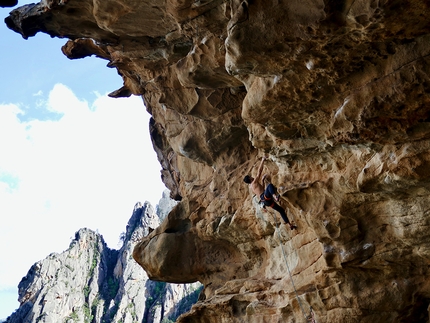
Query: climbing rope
[[309, 318]]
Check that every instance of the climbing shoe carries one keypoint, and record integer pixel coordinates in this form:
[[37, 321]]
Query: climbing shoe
[[292, 226]]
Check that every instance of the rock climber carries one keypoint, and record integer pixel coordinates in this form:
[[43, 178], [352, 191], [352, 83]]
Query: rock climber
[[268, 196]]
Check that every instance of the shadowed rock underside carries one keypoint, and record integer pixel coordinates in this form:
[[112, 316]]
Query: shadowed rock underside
[[336, 93]]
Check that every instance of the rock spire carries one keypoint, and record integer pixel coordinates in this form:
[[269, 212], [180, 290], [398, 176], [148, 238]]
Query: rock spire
[[90, 282]]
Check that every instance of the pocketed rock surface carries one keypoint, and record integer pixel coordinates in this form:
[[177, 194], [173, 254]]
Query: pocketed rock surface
[[335, 93]]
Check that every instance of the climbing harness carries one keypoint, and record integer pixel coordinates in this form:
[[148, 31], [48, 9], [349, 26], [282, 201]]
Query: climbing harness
[[309, 318], [267, 200]]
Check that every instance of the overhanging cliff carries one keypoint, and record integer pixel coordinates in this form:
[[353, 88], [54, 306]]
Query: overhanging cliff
[[336, 93]]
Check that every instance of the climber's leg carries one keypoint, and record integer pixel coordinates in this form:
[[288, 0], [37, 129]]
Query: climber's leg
[[281, 211], [271, 192]]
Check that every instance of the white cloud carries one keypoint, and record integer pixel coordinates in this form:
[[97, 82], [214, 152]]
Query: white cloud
[[86, 169]]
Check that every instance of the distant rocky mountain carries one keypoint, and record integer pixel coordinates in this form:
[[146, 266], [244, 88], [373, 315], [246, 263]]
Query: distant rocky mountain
[[165, 205], [90, 282]]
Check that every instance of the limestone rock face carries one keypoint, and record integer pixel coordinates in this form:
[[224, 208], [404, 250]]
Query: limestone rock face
[[91, 283], [335, 93]]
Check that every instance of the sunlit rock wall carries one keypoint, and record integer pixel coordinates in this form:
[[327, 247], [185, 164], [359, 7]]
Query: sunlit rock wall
[[336, 93]]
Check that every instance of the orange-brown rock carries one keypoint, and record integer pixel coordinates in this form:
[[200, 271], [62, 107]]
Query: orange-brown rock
[[336, 93]]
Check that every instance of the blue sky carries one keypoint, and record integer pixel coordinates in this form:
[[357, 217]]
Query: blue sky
[[70, 157]]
